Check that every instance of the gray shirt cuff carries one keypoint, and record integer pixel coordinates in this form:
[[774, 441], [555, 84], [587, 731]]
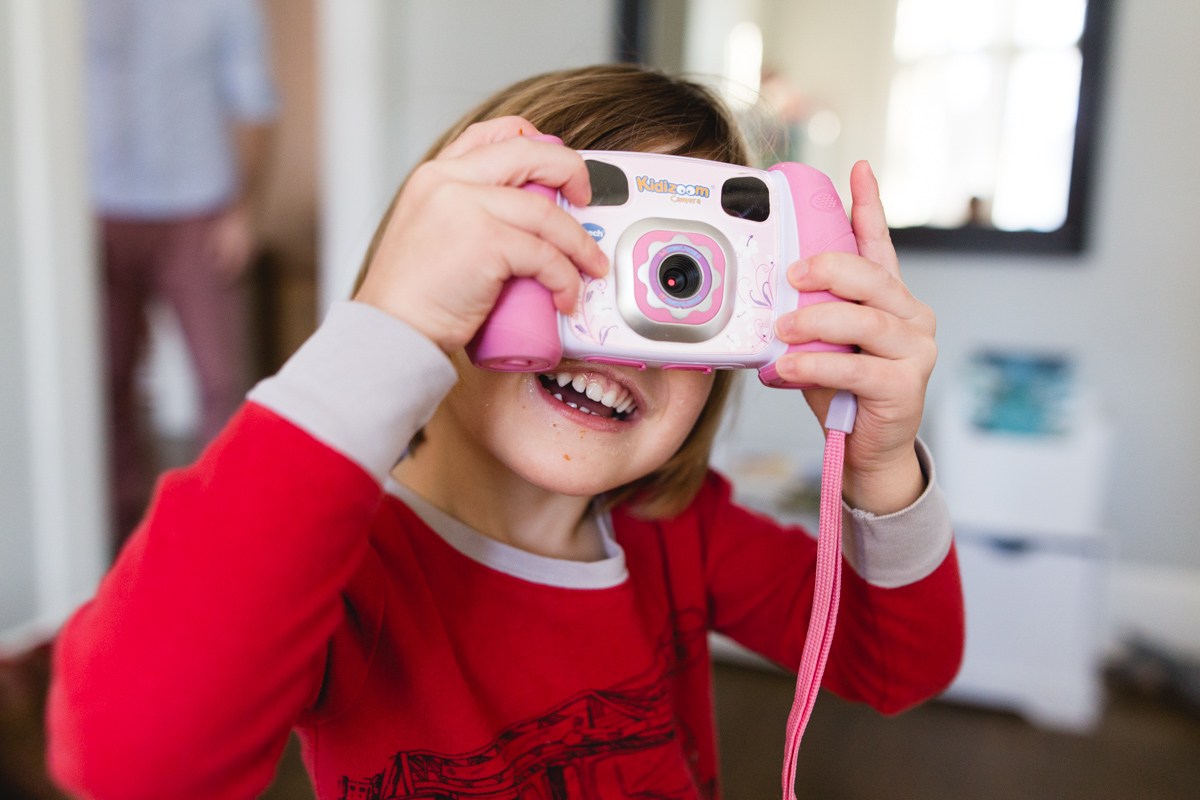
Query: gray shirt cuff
[[363, 384], [904, 547]]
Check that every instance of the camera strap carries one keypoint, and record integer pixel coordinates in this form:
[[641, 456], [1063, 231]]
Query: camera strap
[[839, 422]]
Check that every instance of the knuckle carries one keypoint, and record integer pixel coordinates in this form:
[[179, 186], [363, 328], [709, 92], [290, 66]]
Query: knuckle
[[885, 280], [490, 234], [480, 129], [855, 370], [882, 282], [448, 196], [931, 354], [486, 228], [929, 319], [426, 174], [547, 253], [542, 213], [824, 264], [877, 324], [524, 143]]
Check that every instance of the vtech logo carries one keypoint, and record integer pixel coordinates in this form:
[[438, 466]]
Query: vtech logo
[[594, 230]]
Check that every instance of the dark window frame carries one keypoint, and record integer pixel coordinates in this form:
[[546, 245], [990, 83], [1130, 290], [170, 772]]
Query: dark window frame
[[1072, 237]]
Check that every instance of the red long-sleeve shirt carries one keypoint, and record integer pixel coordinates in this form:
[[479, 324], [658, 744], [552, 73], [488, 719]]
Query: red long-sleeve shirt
[[277, 584]]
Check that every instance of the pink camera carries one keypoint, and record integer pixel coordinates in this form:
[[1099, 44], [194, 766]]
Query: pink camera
[[699, 251]]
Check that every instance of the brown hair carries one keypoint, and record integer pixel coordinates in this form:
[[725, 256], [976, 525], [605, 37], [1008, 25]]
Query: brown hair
[[621, 107]]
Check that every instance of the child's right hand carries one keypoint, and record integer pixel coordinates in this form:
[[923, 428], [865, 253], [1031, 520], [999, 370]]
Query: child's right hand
[[462, 227]]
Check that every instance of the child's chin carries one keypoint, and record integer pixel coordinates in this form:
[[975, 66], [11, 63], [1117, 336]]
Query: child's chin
[[572, 475]]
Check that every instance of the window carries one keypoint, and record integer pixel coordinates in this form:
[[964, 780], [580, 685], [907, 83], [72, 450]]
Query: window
[[981, 120]]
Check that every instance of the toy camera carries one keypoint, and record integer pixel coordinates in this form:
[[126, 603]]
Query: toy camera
[[699, 251]]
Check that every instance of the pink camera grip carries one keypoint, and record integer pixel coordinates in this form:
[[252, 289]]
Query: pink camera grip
[[822, 227], [521, 333]]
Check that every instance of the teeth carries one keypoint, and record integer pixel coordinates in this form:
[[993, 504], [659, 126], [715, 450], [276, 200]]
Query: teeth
[[596, 388]]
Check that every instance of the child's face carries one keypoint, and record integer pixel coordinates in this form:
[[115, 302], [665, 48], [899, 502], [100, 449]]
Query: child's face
[[627, 424]]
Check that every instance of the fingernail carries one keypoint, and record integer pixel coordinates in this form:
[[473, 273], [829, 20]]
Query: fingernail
[[786, 366], [783, 327], [797, 271]]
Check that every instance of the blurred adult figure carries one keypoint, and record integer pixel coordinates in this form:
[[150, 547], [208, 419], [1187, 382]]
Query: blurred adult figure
[[181, 104]]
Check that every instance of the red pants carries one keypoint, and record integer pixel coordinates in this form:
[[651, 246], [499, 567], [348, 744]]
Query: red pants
[[176, 261]]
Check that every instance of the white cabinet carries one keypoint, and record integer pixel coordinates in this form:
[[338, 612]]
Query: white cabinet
[[1034, 629], [1028, 520]]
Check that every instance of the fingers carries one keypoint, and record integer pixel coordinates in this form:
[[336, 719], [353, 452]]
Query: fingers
[[868, 220], [535, 215], [527, 256], [858, 279], [487, 132], [869, 377], [520, 160], [874, 331]]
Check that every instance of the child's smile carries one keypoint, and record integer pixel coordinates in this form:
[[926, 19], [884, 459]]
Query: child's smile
[[579, 429], [581, 391]]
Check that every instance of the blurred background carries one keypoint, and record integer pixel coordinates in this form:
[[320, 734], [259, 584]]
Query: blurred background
[[1038, 162]]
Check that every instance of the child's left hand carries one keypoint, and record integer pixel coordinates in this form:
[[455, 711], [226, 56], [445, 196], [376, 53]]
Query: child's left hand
[[895, 333]]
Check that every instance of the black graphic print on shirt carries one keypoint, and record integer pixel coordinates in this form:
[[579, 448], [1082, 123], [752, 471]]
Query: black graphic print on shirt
[[607, 743]]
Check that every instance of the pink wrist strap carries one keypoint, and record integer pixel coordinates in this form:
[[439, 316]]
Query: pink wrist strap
[[827, 584]]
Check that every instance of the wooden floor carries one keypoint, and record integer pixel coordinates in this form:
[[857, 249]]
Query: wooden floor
[[1145, 748]]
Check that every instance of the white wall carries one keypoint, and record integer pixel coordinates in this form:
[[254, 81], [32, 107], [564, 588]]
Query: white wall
[[397, 74], [18, 597], [53, 517]]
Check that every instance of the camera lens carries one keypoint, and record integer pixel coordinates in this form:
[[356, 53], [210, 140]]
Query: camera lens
[[679, 276]]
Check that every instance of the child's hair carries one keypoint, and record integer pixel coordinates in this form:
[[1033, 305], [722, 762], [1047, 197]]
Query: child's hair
[[622, 107]]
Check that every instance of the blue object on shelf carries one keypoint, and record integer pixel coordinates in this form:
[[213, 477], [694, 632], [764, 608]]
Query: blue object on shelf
[[1022, 393]]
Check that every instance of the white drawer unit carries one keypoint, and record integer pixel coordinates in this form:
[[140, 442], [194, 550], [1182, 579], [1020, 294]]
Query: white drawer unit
[[1035, 628]]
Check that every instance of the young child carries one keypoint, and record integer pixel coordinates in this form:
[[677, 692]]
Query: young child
[[519, 608]]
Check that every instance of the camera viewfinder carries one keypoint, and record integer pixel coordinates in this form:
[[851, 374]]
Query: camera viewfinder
[[610, 187], [746, 198]]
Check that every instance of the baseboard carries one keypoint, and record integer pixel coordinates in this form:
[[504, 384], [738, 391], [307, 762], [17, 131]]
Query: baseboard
[[1159, 605]]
